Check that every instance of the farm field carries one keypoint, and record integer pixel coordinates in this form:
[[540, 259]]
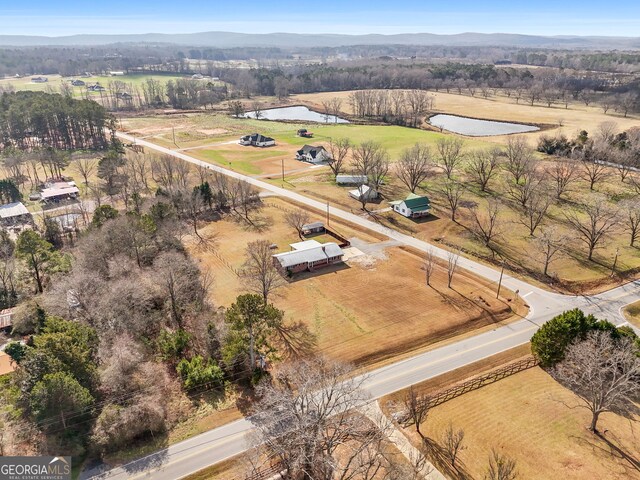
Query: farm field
[[335, 302], [527, 417], [575, 118], [136, 80]]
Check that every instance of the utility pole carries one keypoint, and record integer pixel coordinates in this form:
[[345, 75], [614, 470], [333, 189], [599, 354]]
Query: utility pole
[[327, 213], [282, 172], [500, 281], [173, 130]]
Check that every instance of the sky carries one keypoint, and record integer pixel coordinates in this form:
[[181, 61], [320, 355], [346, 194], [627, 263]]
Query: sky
[[537, 17]]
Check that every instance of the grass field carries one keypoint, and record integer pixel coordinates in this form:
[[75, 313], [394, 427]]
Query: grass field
[[527, 417], [575, 118], [336, 304]]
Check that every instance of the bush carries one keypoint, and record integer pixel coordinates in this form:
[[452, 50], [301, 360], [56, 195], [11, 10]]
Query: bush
[[197, 373], [549, 343], [172, 345]]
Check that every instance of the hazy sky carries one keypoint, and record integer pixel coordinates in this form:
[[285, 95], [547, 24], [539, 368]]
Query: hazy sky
[[541, 17]]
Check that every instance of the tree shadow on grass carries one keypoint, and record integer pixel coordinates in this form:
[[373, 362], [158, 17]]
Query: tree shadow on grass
[[438, 457]]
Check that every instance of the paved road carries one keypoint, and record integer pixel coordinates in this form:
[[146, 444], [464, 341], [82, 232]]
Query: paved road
[[218, 444]]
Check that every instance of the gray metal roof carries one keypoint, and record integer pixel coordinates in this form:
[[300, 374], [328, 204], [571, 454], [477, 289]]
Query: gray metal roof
[[316, 254], [312, 225], [351, 179], [11, 210]]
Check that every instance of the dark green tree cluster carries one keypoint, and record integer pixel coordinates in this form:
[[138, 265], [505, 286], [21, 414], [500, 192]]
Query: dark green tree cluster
[[30, 120], [9, 191], [549, 343]]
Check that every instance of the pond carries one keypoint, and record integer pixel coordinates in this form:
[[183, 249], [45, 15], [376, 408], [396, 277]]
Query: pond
[[296, 113], [478, 128]]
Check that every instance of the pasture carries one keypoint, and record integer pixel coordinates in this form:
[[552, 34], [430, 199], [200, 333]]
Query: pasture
[[577, 116], [528, 417]]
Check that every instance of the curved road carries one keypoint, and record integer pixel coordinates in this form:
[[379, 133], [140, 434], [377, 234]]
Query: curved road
[[211, 447]]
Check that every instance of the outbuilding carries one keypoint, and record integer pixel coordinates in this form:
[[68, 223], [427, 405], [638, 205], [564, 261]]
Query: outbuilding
[[364, 192], [314, 227], [14, 214], [344, 179]]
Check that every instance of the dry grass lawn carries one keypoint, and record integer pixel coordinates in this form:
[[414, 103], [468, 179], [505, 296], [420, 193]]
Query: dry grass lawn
[[632, 313], [336, 303], [526, 417]]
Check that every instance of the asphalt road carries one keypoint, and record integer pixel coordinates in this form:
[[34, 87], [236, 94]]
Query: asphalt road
[[189, 456]]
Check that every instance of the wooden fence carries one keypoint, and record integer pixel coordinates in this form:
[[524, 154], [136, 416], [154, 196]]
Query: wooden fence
[[471, 385]]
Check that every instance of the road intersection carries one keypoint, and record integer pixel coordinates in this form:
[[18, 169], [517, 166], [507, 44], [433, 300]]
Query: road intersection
[[189, 456]]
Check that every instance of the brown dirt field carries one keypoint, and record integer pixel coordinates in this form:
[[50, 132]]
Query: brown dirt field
[[577, 117], [527, 417], [336, 302]]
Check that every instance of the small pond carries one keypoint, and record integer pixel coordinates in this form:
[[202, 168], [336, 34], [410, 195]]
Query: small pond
[[296, 113], [478, 128]]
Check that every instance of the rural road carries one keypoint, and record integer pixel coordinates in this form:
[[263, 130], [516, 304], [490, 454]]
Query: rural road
[[189, 456]]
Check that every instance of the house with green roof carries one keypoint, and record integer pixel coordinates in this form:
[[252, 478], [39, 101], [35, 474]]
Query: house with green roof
[[414, 206]]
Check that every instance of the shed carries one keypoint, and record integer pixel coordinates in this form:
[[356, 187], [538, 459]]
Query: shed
[[314, 227], [14, 213], [344, 179], [364, 192]]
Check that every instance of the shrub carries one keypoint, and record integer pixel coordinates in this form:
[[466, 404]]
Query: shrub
[[197, 373]]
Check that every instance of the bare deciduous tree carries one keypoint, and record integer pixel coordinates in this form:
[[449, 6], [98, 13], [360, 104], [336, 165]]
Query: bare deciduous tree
[[452, 191], [563, 173], [592, 223], [417, 408], [631, 218], [86, 166], [449, 154], [520, 158], [535, 209], [258, 272], [296, 219], [452, 443], [602, 371], [483, 166], [371, 160], [550, 245], [592, 161], [429, 265], [305, 420], [500, 467], [257, 109], [485, 224], [339, 149], [413, 167], [452, 266]]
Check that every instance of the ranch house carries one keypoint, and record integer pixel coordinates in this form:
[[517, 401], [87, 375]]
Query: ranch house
[[414, 206], [257, 140], [307, 256], [14, 214], [312, 154]]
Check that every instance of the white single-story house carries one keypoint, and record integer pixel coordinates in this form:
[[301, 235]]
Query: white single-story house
[[314, 227], [308, 255], [116, 73], [364, 192], [414, 206], [312, 154], [39, 80], [257, 140], [344, 179], [54, 192], [14, 214]]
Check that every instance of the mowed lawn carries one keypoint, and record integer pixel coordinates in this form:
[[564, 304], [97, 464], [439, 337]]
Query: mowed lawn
[[527, 417], [336, 303]]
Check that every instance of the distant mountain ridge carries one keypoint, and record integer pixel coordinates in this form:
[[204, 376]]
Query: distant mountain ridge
[[297, 40]]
